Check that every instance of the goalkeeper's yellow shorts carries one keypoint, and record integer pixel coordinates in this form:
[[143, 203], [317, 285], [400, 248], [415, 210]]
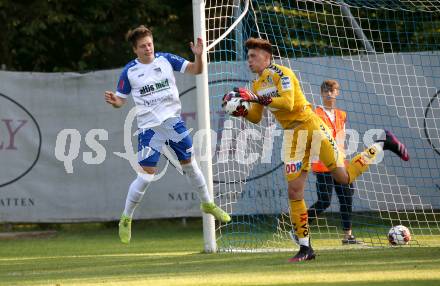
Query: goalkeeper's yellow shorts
[[308, 142]]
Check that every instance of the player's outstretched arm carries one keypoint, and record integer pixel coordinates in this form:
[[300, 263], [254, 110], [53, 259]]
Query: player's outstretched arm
[[113, 99], [196, 67]]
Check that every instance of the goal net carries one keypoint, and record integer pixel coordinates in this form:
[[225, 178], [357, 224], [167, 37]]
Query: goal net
[[386, 57]]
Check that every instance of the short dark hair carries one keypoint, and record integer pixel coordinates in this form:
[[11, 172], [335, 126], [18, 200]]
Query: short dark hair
[[329, 84], [134, 35], [258, 43]]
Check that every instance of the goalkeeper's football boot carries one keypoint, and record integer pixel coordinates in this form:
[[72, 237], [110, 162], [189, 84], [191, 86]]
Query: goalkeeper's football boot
[[125, 229], [304, 253], [218, 213], [394, 145]]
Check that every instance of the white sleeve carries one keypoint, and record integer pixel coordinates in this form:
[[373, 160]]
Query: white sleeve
[[184, 65], [121, 95]]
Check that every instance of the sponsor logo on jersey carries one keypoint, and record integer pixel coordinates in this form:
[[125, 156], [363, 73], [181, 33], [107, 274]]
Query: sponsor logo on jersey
[[293, 167], [163, 84], [271, 91], [147, 90], [285, 83], [155, 87], [158, 100], [269, 80]]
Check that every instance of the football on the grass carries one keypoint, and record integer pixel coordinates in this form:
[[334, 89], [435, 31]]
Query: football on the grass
[[399, 235]]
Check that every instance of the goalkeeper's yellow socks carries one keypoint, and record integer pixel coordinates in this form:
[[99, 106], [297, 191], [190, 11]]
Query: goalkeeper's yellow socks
[[362, 161], [299, 218]]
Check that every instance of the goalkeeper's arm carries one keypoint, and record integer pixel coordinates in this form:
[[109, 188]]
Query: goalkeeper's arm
[[255, 113], [285, 101], [286, 98]]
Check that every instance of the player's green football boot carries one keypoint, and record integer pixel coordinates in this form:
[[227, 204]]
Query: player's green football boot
[[125, 229], [218, 213]]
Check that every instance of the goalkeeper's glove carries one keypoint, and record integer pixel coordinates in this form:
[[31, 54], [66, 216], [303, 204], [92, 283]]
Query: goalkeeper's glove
[[247, 95], [227, 97], [240, 111], [235, 109]]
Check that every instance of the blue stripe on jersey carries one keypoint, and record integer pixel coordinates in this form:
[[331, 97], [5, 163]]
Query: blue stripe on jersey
[[175, 61], [124, 85]]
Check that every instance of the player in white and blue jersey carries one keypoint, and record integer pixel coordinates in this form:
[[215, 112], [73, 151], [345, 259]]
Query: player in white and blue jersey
[[150, 80]]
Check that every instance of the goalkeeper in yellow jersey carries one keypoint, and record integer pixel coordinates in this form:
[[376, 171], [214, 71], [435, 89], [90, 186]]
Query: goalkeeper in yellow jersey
[[278, 89]]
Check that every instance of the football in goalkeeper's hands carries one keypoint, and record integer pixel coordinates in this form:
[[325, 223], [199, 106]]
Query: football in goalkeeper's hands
[[234, 105], [399, 235]]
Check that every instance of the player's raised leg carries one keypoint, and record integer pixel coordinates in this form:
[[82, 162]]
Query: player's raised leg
[[333, 159], [183, 149], [197, 180], [361, 161]]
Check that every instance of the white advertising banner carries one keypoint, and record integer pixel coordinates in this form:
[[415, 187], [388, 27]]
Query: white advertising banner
[[59, 142], [63, 157]]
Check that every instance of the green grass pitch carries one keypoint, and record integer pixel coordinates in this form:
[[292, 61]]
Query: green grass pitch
[[167, 253]]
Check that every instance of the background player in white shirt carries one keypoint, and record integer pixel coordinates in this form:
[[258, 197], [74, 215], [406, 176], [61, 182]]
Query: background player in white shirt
[[150, 80]]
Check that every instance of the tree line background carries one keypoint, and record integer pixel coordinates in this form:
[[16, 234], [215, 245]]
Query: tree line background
[[316, 29], [81, 35]]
